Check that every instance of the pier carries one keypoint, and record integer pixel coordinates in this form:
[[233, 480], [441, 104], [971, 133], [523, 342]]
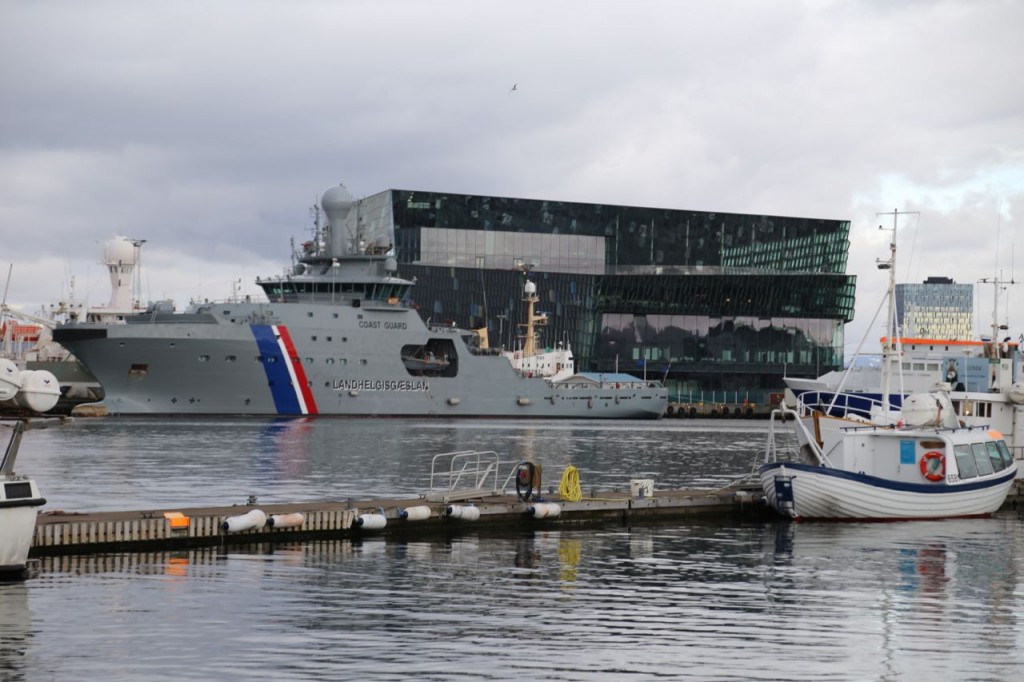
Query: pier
[[64, 533], [61, 533]]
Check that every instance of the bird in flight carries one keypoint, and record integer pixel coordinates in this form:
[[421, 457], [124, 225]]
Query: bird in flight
[[515, 86]]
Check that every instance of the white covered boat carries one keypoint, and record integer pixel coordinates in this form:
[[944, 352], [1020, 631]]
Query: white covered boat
[[926, 466], [19, 503]]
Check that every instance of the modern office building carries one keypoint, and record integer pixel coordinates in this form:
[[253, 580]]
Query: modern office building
[[715, 304], [938, 308]]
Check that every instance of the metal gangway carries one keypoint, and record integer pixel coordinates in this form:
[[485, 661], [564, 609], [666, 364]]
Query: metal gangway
[[468, 474]]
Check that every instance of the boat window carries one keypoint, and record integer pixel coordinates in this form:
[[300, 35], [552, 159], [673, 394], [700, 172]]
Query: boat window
[[1005, 452], [965, 461], [995, 456], [981, 459], [204, 358], [230, 358]]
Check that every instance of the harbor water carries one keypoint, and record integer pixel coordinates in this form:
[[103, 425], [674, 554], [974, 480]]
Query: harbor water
[[701, 600]]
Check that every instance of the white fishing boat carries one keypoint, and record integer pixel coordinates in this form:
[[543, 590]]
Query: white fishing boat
[[926, 466], [918, 461], [984, 385]]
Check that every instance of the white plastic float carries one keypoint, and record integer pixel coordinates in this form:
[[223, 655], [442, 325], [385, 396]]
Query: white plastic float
[[544, 510], [371, 521], [293, 520], [462, 512], [236, 524], [419, 513]]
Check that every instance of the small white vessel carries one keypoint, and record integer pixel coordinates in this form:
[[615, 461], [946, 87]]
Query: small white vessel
[[926, 466], [19, 503], [912, 459]]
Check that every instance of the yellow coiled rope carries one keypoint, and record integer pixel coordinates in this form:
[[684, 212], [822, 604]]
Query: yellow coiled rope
[[569, 489]]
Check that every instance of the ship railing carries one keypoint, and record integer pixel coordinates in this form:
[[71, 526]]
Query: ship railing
[[844, 404], [466, 474]]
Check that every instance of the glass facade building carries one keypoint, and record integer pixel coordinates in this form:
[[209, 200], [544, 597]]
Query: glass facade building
[[709, 302], [938, 308]]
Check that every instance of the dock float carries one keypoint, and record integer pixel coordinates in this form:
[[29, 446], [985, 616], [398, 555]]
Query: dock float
[[62, 533]]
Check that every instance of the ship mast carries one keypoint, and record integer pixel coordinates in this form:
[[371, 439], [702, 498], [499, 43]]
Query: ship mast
[[532, 320]]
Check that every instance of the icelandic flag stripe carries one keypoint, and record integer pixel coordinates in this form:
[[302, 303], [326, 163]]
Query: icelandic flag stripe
[[286, 378]]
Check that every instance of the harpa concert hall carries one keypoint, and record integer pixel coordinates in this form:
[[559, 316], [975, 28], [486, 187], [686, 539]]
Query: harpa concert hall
[[718, 305]]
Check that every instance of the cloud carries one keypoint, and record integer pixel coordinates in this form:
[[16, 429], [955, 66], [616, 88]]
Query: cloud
[[209, 130]]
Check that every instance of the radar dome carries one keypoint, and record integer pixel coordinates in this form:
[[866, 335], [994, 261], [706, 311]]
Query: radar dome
[[336, 198], [530, 287], [1016, 392], [119, 250], [336, 202]]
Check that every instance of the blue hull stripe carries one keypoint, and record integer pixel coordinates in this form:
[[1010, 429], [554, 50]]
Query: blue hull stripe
[[275, 364], [927, 488]]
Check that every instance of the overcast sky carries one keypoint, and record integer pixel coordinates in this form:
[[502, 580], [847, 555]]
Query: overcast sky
[[209, 128]]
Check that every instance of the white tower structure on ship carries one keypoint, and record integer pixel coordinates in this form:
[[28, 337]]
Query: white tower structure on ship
[[121, 256]]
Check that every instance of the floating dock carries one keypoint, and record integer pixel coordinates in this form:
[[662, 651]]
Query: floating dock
[[468, 490], [63, 533]]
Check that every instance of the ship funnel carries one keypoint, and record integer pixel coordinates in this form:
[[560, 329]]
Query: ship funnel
[[337, 202]]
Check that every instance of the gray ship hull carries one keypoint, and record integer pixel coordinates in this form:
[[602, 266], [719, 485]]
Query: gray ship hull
[[310, 358]]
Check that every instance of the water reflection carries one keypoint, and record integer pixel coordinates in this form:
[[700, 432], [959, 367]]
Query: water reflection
[[16, 631], [697, 601]]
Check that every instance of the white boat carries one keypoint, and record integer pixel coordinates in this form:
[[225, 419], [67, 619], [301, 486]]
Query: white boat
[[926, 466], [19, 503], [919, 460], [984, 381]]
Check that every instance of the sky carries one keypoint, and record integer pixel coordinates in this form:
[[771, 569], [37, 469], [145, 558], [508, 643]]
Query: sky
[[209, 129]]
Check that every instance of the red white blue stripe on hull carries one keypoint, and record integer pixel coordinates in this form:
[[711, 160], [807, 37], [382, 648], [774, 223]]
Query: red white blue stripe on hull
[[285, 375]]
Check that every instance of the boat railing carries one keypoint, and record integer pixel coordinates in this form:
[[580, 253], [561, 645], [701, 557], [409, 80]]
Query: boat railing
[[782, 415], [466, 474]]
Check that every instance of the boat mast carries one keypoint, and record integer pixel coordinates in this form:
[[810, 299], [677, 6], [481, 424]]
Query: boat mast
[[891, 346]]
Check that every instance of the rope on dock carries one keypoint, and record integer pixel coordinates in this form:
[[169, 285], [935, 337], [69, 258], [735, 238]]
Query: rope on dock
[[569, 489]]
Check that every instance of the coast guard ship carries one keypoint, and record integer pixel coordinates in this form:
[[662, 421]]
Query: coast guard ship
[[338, 335]]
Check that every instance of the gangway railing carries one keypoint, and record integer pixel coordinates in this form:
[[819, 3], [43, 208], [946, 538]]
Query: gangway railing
[[466, 474]]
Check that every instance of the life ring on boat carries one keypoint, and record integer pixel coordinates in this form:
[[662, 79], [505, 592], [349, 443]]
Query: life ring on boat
[[930, 472]]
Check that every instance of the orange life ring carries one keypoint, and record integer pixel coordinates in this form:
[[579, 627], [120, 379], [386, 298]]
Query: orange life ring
[[929, 472]]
